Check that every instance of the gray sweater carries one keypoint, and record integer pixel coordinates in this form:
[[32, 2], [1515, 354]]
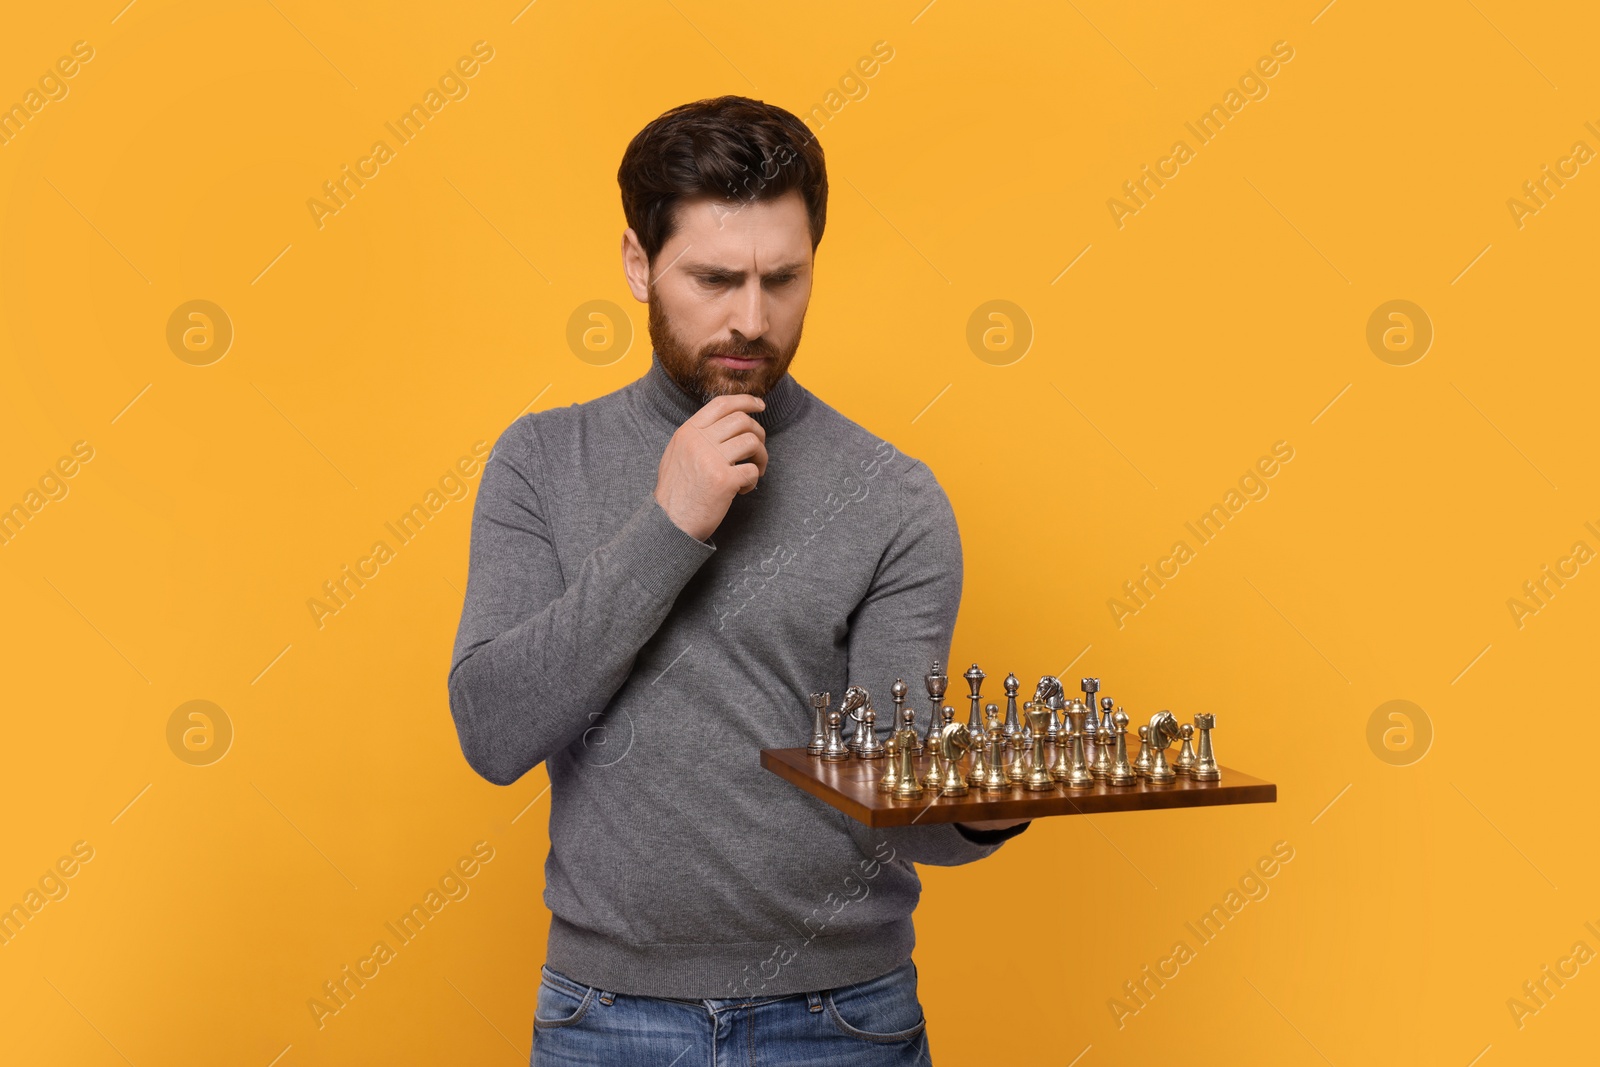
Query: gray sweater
[[647, 668]]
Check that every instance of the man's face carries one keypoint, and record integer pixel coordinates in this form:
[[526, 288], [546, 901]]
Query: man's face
[[728, 293]]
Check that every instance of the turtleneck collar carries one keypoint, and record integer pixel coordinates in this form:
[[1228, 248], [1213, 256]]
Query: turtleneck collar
[[668, 400]]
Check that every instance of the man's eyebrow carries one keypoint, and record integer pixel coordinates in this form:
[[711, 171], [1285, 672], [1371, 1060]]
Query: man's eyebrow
[[739, 273]]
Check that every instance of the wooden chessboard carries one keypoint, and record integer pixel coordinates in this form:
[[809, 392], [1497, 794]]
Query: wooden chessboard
[[851, 787]]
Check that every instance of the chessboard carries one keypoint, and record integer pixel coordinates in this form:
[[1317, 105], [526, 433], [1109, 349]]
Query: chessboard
[[851, 787]]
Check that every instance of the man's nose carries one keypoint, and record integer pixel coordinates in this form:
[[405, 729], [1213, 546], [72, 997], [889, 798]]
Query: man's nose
[[749, 317]]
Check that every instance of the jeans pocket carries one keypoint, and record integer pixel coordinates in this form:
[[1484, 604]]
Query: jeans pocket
[[884, 1010], [561, 1001]]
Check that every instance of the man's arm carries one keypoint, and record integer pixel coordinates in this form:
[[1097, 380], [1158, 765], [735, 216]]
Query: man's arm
[[903, 624], [535, 660]]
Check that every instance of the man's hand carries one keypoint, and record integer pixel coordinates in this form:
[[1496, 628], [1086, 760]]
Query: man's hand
[[719, 453]]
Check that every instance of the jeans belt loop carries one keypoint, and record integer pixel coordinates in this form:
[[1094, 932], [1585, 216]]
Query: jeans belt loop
[[606, 998], [814, 1001]]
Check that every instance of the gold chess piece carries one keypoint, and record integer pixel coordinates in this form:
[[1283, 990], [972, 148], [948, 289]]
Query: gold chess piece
[[1038, 779], [1205, 762], [1141, 762], [954, 742], [980, 747], [1101, 767], [1163, 731], [889, 781], [995, 779], [1121, 772], [906, 751], [934, 779], [1185, 761]]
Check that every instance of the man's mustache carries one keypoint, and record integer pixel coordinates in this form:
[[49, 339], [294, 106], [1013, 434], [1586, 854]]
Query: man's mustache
[[749, 349]]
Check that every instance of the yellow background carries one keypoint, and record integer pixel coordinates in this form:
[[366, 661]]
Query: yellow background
[[431, 310]]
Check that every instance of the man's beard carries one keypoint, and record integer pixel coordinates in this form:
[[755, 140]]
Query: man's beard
[[700, 375]]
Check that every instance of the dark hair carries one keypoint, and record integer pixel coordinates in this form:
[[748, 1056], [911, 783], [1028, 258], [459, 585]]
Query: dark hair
[[729, 148]]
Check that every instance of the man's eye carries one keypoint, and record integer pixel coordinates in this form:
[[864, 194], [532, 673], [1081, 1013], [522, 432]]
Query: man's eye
[[779, 280]]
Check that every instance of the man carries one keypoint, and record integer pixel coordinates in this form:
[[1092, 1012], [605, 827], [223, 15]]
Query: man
[[658, 579]]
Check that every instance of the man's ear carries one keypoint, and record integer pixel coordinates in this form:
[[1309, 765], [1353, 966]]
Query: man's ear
[[636, 266]]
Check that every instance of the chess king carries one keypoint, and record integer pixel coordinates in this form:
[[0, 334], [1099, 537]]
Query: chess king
[[658, 579]]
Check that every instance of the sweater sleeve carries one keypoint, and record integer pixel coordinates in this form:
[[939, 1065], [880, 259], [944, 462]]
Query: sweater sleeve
[[537, 656], [904, 623]]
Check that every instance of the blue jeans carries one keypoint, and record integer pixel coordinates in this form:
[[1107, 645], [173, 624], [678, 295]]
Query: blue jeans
[[873, 1023]]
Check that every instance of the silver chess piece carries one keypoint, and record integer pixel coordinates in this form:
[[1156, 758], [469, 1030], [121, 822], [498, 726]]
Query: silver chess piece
[[819, 723], [974, 676], [1163, 731], [936, 681], [1013, 726], [854, 702], [869, 747], [1185, 761], [1090, 687], [1048, 693], [1205, 761], [1038, 779], [994, 779], [833, 748], [1121, 772]]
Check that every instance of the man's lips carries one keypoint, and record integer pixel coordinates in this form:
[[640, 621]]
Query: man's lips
[[740, 362]]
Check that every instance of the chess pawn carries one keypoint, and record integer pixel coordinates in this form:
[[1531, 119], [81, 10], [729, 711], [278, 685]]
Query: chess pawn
[[833, 747], [1101, 767], [1013, 726], [906, 750], [934, 779], [979, 750], [869, 747], [1163, 729], [1017, 767], [994, 779], [898, 691], [1106, 722], [1185, 761], [890, 779], [1141, 762], [954, 741], [1205, 761], [1038, 779], [819, 725], [1121, 772], [936, 681]]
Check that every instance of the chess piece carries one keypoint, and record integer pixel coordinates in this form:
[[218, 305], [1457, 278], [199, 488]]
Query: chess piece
[[898, 692], [936, 681], [1101, 767], [1078, 776], [1205, 761], [994, 779], [1163, 731], [890, 780], [934, 779], [974, 677], [906, 750], [954, 742], [1038, 779], [1048, 693], [1141, 762], [1090, 687], [1185, 761], [869, 747], [833, 746], [1013, 727], [1017, 768], [819, 733], [980, 748], [854, 702], [1106, 722], [1121, 772]]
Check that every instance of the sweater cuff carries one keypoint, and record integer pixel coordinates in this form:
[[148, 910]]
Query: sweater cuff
[[991, 837], [657, 553]]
